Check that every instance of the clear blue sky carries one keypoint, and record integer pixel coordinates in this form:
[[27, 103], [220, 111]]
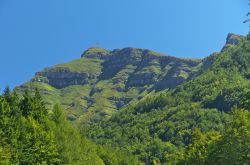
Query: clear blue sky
[[39, 33]]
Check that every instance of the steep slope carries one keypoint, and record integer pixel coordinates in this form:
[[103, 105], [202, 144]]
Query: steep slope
[[102, 82], [158, 127]]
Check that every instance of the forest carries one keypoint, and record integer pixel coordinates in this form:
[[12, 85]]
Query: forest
[[31, 134]]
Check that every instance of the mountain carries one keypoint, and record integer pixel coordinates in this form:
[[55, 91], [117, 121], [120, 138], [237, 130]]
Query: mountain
[[102, 82]]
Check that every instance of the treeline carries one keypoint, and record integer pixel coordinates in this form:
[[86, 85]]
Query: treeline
[[32, 134]]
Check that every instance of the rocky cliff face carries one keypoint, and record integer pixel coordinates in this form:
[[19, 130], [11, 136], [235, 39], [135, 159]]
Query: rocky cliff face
[[102, 81], [62, 78]]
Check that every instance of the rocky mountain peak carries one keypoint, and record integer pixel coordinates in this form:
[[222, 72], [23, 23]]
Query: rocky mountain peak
[[233, 39]]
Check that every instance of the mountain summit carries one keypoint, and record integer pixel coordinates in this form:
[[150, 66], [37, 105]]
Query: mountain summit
[[103, 81]]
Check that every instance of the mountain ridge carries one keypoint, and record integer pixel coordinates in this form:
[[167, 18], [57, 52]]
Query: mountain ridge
[[102, 81]]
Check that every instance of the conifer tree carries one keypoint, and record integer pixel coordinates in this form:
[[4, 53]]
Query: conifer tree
[[38, 106], [26, 104]]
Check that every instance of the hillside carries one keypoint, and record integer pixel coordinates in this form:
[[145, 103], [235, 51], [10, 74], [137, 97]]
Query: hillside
[[160, 127]]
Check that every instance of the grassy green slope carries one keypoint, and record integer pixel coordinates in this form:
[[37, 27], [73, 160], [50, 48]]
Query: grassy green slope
[[114, 79]]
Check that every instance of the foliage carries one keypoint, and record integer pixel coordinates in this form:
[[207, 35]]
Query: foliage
[[234, 145], [26, 131], [29, 134]]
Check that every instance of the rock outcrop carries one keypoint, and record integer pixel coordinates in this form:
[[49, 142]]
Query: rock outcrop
[[63, 77], [233, 39]]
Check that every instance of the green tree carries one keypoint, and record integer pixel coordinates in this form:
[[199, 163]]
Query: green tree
[[197, 152], [26, 104], [24, 139], [72, 147], [37, 144], [39, 110], [233, 147]]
